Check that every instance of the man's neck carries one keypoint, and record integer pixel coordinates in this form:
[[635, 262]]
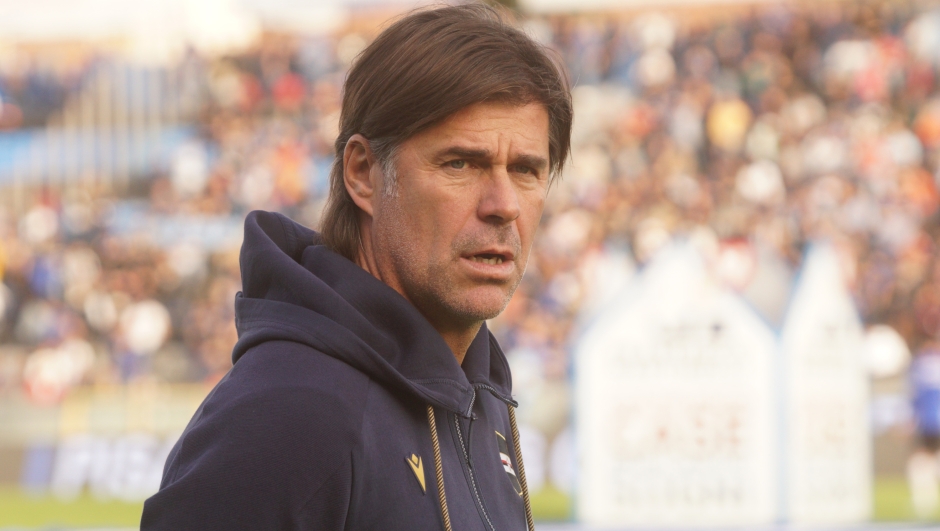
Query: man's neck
[[458, 337], [459, 340]]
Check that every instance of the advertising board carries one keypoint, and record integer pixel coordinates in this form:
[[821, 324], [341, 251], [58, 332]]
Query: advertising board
[[675, 404]]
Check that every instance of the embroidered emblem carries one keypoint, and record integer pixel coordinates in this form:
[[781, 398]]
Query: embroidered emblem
[[507, 463], [418, 468]]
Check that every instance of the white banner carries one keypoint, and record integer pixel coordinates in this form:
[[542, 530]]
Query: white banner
[[828, 444], [675, 394]]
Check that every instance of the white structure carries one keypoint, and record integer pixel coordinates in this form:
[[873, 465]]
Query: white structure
[[675, 404], [828, 442]]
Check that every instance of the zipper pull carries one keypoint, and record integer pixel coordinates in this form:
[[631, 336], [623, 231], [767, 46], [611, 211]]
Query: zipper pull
[[473, 400]]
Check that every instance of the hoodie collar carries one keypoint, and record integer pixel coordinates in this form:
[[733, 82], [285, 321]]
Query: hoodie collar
[[298, 290]]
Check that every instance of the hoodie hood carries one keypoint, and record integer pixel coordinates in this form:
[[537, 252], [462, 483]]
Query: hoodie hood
[[295, 289]]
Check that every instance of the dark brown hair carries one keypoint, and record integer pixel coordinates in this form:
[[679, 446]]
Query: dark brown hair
[[424, 68]]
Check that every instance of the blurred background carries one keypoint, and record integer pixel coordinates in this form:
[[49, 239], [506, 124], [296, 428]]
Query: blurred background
[[750, 213]]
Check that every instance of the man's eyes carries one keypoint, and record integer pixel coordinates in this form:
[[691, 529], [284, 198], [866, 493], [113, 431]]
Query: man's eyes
[[525, 170], [462, 164]]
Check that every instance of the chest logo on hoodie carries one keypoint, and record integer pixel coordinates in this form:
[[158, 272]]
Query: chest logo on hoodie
[[418, 468], [507, 462]]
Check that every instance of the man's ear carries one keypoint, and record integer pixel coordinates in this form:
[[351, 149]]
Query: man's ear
[[358, 161]]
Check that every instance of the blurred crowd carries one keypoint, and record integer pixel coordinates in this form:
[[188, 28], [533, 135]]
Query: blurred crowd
[[751, 132], [33, 88]]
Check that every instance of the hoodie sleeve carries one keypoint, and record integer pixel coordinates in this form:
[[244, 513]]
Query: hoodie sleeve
[[259, 456]]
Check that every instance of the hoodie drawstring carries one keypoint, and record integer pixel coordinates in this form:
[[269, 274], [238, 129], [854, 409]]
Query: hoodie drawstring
[[438, 469], [515, 446]]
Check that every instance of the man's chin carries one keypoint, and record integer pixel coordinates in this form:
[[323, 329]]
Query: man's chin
[[476, 309], [463, 305]]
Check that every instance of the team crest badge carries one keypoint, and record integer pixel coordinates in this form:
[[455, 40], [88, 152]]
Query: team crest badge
[[507, 462]]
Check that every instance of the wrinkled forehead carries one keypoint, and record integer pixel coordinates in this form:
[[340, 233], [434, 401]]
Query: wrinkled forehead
[[490, 131]]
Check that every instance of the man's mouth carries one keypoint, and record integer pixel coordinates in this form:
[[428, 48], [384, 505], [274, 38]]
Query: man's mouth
[[487, 258], [496, 262]]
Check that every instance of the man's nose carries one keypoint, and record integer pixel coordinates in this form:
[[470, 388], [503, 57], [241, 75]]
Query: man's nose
[[500, 199]]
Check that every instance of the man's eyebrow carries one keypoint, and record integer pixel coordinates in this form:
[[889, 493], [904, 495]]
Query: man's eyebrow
[[534, 161]]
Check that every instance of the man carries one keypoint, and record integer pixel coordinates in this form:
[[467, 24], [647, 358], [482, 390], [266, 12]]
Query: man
[[923, 465], [366, 392]]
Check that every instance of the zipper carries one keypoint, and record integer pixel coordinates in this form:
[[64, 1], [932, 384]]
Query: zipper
[[466, 455]]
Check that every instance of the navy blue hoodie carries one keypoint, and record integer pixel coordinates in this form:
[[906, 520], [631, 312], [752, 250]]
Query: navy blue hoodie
[[323, 421]]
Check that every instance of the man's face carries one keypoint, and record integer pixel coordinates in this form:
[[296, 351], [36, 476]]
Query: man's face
[[452, 232]]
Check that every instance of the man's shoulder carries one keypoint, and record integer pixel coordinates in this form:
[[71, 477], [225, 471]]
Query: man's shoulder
[[285, 422]]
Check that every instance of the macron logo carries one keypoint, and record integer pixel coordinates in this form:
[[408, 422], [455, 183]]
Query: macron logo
[[418, 468]]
